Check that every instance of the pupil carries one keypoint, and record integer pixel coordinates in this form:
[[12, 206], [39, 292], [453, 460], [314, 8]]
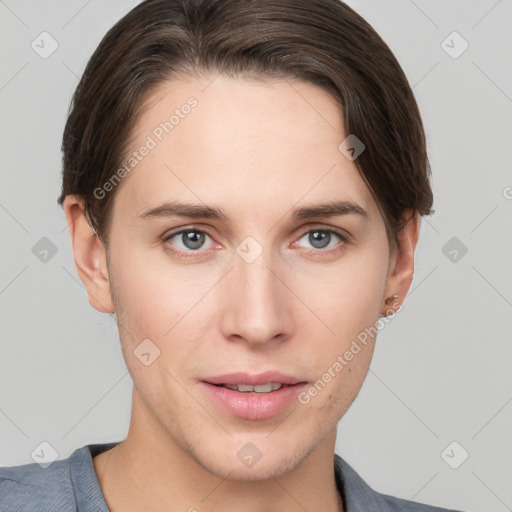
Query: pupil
[[321, 241], [193, 239]]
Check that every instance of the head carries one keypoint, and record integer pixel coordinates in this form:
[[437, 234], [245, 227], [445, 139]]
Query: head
[[201, 140]]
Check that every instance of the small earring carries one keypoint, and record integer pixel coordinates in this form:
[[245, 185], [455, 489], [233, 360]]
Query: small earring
[[388, 301]]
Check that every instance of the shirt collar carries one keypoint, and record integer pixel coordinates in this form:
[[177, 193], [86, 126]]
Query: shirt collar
[[357, 495]]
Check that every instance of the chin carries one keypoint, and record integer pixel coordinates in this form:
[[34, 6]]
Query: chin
[[262, 470], [250, 464]]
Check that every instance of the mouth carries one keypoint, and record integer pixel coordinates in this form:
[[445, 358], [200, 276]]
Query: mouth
[[247, 388], [267, 378], [254, 397]]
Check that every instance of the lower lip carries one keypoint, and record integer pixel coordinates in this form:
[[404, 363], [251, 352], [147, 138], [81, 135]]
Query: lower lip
[[253, 406]]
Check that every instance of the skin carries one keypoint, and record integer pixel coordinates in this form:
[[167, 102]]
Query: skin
[[257, 150]]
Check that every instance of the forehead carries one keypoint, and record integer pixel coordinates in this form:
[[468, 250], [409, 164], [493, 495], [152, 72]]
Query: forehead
[[247, 144]]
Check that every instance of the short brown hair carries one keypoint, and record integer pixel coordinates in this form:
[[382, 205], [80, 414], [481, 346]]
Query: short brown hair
[[323, 42]]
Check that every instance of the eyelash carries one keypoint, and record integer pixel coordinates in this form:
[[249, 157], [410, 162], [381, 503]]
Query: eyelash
[[194, 254]]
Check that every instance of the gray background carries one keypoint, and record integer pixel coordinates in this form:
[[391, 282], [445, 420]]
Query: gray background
[[442, 368]]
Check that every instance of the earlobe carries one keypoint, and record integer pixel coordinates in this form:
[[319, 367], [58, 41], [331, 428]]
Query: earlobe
[[401, 270], [89, 255]]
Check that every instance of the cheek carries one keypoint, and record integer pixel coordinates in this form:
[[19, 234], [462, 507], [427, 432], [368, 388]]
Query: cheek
[[349, 306], [153, 297], [162, 304], [350, 297]]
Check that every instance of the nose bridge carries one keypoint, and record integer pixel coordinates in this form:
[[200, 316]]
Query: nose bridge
[[257, 306]]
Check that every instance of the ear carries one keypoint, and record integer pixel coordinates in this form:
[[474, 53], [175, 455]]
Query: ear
[[401, 268], [89, 255]]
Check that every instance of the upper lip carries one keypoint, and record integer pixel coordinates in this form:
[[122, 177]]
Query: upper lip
[[254, 379]]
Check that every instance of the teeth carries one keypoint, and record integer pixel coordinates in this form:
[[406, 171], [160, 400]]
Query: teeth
[[262, 388], [244, 388]]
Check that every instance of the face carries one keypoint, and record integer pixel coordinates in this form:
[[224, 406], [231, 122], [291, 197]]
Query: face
[[249, 275]]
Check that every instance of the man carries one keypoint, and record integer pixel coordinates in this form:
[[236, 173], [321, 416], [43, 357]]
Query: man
[[244, 239]]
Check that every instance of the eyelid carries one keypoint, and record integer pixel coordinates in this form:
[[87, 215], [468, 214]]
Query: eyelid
[[331, 229], [345, 239], [181, 253], [180, 231]]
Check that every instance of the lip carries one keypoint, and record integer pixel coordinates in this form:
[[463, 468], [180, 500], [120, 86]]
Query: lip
[[253, 406]]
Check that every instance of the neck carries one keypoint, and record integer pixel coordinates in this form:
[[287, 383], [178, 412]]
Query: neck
[[150, 471]]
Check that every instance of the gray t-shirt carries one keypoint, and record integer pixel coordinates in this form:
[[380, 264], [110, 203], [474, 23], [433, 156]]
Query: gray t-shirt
[[71, 485]]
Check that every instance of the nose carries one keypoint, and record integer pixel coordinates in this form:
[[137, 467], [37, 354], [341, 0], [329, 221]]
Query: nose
[[256, 310]]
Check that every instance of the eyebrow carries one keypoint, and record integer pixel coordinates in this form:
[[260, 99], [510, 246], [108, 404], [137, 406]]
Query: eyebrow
[[197, 211]]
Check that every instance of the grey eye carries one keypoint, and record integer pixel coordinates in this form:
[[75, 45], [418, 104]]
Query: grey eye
[[193, 239]]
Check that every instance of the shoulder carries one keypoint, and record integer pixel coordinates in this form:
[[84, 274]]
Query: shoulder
[[66, 485], [32, 487], [358, 495]]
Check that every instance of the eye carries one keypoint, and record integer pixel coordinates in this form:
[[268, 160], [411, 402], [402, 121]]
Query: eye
[[191, 242], [324, 240], [187, 241]]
